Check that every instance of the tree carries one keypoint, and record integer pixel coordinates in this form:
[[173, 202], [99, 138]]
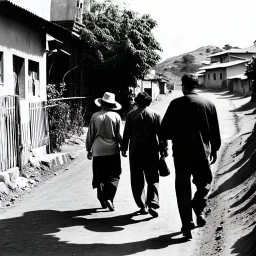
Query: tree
[[227, 47], [118, 47], [250, 72], [188, 61]]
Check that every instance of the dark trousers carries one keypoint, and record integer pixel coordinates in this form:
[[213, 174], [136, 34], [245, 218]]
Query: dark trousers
[[106, 176], [144, 170], [200, 171]]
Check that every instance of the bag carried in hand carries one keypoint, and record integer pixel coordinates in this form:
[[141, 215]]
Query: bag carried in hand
[[163, 168]]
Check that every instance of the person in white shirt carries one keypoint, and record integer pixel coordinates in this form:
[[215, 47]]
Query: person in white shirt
[[103, 144]]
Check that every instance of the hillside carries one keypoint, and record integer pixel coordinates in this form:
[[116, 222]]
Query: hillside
[[172, 68]]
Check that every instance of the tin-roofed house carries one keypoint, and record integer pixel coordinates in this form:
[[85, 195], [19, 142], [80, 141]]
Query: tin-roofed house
[[23, 123], [226, 64]]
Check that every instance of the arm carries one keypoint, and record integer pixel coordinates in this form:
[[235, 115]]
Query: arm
[[119, 131], [90, 138], [163, 143], [126, 136]]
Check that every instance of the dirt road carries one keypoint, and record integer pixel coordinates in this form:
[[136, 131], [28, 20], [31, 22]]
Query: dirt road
[[63, 217]]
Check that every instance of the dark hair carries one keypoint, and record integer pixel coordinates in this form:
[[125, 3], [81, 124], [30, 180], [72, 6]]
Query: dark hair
[[143, 99], [190, 82]]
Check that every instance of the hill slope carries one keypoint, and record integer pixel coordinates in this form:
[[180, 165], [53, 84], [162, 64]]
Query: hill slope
[[172, 68]]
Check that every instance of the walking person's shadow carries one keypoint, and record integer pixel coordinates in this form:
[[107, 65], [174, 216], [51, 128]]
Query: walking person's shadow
[[36, 233]]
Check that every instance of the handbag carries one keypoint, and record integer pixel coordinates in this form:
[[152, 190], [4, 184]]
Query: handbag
[[163, 168]]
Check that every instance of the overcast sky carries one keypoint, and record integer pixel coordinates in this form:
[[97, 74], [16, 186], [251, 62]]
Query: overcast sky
[[185, 25]]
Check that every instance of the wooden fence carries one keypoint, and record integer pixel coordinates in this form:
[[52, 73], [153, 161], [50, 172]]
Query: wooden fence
[[19, 137], [39, 128], [8, 133]]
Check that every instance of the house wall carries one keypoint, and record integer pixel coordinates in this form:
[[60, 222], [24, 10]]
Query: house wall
[[246, 86], [41, 8], [217, 58], [226, 72], [241, 86], [20, 40], [236, 70], [24, 42], [67, 9], [210, 82], [155, 90], [201, 80]]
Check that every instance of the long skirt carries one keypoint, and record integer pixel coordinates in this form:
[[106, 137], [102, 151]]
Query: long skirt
[[106, 176]]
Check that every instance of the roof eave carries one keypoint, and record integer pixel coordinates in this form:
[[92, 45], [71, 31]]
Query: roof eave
[[11, 10]]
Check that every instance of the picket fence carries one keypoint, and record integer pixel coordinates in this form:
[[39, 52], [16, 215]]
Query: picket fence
[[18, 138]]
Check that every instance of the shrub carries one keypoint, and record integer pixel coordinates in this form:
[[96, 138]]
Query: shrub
[[65, 118]]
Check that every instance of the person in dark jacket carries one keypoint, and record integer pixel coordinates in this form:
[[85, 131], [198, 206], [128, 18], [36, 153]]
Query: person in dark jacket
[[191, 123], [142, 133]]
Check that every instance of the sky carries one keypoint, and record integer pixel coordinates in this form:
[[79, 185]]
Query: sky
[[185, 25]]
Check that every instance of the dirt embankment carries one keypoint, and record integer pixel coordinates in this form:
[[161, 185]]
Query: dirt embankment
[[231, 220]]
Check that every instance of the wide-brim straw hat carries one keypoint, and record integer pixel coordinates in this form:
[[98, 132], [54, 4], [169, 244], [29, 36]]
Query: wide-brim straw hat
[[108, 101]]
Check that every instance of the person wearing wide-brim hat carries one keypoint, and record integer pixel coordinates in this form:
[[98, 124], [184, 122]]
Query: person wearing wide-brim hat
[[103, 143], [142, 134]]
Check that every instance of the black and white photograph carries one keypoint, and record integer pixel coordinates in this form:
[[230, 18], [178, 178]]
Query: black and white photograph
[[127, 127]]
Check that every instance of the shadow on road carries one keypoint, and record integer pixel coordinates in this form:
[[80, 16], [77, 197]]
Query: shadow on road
[[245, 166], [249, 240], [35, 233]]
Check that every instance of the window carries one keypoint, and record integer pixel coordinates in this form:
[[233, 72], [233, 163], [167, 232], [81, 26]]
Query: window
[[220, 76], [214, 76], [19, 75], [208, 76], [33, 78], [221, 59], [1, 68]]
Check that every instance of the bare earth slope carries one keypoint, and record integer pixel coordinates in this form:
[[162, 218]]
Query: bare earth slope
[[231, 219]]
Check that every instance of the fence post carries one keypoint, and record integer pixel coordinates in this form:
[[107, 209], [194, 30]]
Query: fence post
[[18, 132]]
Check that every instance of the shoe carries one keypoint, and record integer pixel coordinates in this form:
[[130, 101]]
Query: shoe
[[153, 212], [200, 220], [191, 226], [143, 211], [110, 205], [187, 234]]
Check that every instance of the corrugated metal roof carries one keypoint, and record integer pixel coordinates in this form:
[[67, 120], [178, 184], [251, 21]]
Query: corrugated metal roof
[[224, 65], [32, 20]]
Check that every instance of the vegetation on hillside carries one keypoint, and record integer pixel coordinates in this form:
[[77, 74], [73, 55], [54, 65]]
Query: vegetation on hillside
[[173, 68]]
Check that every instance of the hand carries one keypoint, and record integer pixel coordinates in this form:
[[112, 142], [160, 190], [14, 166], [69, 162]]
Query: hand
[[123, 153], [89, 155], [164, 153], [213, 157]]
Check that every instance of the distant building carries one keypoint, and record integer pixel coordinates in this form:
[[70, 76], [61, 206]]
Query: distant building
[[226, 64], [153, 84], [64, 65]]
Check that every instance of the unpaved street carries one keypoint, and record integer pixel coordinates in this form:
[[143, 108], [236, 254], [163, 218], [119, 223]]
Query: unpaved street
[[63, 217]]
